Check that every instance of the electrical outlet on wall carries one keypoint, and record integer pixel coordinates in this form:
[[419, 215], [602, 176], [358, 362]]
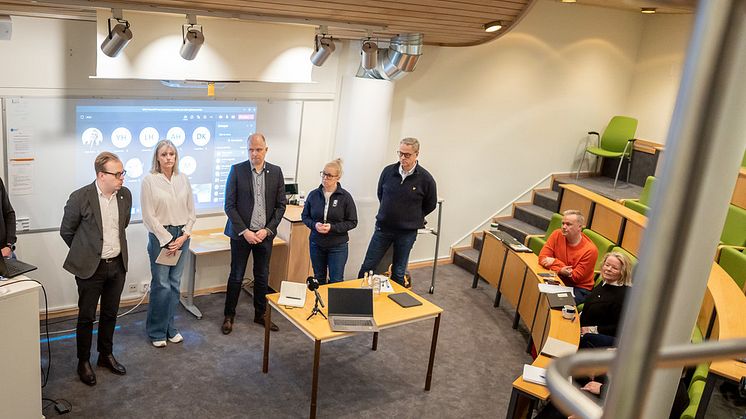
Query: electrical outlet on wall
[[132, 288], [144, 286]]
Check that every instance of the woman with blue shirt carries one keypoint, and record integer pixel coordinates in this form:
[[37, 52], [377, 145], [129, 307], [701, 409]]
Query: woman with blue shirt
[[168, 215], [330, 213]]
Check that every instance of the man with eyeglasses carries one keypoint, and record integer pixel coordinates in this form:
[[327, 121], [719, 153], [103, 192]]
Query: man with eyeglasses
[[254, 204], [93, 225], [407, 193]]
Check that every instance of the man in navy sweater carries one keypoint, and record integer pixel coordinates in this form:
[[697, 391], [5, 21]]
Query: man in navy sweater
[[407, 193]]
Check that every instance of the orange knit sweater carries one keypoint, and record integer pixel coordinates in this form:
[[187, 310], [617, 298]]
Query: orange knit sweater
[[582, 258]]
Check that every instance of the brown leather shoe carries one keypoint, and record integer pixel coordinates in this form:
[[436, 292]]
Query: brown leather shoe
[[108, 361], [86, 374], [227, 325], [272, 326]]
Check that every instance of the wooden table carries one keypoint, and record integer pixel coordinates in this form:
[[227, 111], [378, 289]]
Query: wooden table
[[205, 242], [386, 313]]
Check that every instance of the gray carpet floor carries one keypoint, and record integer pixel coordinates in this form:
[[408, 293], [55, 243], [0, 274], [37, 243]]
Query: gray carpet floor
[[604, 186], [211, 375]]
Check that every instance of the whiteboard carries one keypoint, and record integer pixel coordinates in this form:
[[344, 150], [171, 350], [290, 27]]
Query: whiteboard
[[40, 140]]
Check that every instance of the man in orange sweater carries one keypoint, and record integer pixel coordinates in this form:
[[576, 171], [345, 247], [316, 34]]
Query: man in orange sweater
[[571, 254]]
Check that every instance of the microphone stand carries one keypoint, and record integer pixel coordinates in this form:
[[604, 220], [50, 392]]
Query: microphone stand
[[316, 310]]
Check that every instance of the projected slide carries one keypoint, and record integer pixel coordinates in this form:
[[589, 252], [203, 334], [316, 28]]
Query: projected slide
[[210, 135]]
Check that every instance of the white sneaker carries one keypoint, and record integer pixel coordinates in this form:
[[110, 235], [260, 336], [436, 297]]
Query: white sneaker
[[159, 343], [177, 338]]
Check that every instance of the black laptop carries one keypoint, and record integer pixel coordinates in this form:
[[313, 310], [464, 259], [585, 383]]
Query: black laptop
[[10, 268], [351, 310]]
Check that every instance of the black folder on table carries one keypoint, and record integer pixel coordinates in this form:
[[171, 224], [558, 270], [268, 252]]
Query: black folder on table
[[560, 299], [405, 300]]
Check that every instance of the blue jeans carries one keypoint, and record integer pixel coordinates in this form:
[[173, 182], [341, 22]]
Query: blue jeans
[[164, 289], [597, 340], [333, 257], [379, 244]]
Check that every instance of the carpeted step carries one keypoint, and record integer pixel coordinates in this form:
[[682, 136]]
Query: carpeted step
[[533, 214], [477, 240], [547, 199], [467, 259], [518, 229]]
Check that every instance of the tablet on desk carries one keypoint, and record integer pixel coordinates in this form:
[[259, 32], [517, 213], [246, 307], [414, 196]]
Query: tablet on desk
[[405, 300]]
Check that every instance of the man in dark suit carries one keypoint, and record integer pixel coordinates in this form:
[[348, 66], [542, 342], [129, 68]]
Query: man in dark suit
[[255, 204], [93, 228]]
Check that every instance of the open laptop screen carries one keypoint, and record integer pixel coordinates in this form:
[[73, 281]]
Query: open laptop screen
[[351, 301]]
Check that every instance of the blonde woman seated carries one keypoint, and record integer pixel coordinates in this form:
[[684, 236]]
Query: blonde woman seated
[[168, 215], [602, 311]]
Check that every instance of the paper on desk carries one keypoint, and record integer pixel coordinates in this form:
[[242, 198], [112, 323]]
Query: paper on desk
[[169, 260], [555, 348], [534, 374], [554, 289], [386, 286]]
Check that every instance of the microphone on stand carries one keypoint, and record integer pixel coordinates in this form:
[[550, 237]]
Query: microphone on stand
[[313, 285]]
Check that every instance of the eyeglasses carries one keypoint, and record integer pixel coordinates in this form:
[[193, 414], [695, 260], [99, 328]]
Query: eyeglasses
[[117, 174], [327, 175], [405, 155]]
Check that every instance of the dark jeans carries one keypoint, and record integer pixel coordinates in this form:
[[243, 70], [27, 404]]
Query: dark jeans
[[379, 244], [580, 294], [107, 283], [333, 257], [240, 250], [597, 340]]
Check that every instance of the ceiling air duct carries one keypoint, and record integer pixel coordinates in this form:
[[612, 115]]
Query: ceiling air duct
[[399, 59]]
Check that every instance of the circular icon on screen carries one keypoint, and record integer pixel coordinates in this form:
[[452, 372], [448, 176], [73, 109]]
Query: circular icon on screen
[[149, 137], [176, 135], [134, 168], [92, 137], [201, 136], [187, 165], [121, 137]]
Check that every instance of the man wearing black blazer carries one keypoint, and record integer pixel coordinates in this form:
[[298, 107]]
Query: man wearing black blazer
[[93, 227], [254, 204]]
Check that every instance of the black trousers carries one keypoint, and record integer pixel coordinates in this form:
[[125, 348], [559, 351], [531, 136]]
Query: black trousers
[[107, 284], [240, 250]]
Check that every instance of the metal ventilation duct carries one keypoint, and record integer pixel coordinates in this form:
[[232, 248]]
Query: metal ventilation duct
[[399, 59]]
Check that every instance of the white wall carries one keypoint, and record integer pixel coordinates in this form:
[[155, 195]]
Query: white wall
[[657, 73], [496, 118]]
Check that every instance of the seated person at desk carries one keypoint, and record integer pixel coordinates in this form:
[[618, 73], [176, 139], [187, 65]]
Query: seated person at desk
[[330, 213], [602, 309], [571, 254]]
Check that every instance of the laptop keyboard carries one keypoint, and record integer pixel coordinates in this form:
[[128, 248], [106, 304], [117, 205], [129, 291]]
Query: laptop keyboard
[[16, 268], [349, 322]]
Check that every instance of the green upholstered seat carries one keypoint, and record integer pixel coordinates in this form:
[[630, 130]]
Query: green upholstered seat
[[535, 243], [743, 163], [697, 336], [734, 230], [642, 205], [617, 141], [696, 388], [629, 255], [603, 245], [733, 261]]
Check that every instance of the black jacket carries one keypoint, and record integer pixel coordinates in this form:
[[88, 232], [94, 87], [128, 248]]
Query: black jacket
[[404, 204], [239, 198], [603, 308], [342, 215], [7, 219]]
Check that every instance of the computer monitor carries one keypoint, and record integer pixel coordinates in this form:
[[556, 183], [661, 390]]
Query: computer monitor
[[291, 189]]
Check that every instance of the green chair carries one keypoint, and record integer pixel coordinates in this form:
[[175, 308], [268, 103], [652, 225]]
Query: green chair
[[733, 261], [642, 205], [603, 245], [696, 388], [616, 142], [734, 230], [535, 243], [743, 163]]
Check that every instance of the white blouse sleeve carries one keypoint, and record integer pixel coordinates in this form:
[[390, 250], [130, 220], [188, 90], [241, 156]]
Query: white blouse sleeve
[[149, 219]]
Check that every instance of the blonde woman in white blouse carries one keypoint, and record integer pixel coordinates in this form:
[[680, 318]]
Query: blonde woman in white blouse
[[168, 214]]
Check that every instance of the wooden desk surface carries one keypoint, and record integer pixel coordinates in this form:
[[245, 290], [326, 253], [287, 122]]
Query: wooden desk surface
[[213, 240], [292, 213], [386, 312], [731, 322]]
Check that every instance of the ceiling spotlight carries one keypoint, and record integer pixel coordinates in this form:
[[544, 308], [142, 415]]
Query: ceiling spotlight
[[323, 49], [369, 50], [192, 38], [493, 26], [119, 36], [647, 10]]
